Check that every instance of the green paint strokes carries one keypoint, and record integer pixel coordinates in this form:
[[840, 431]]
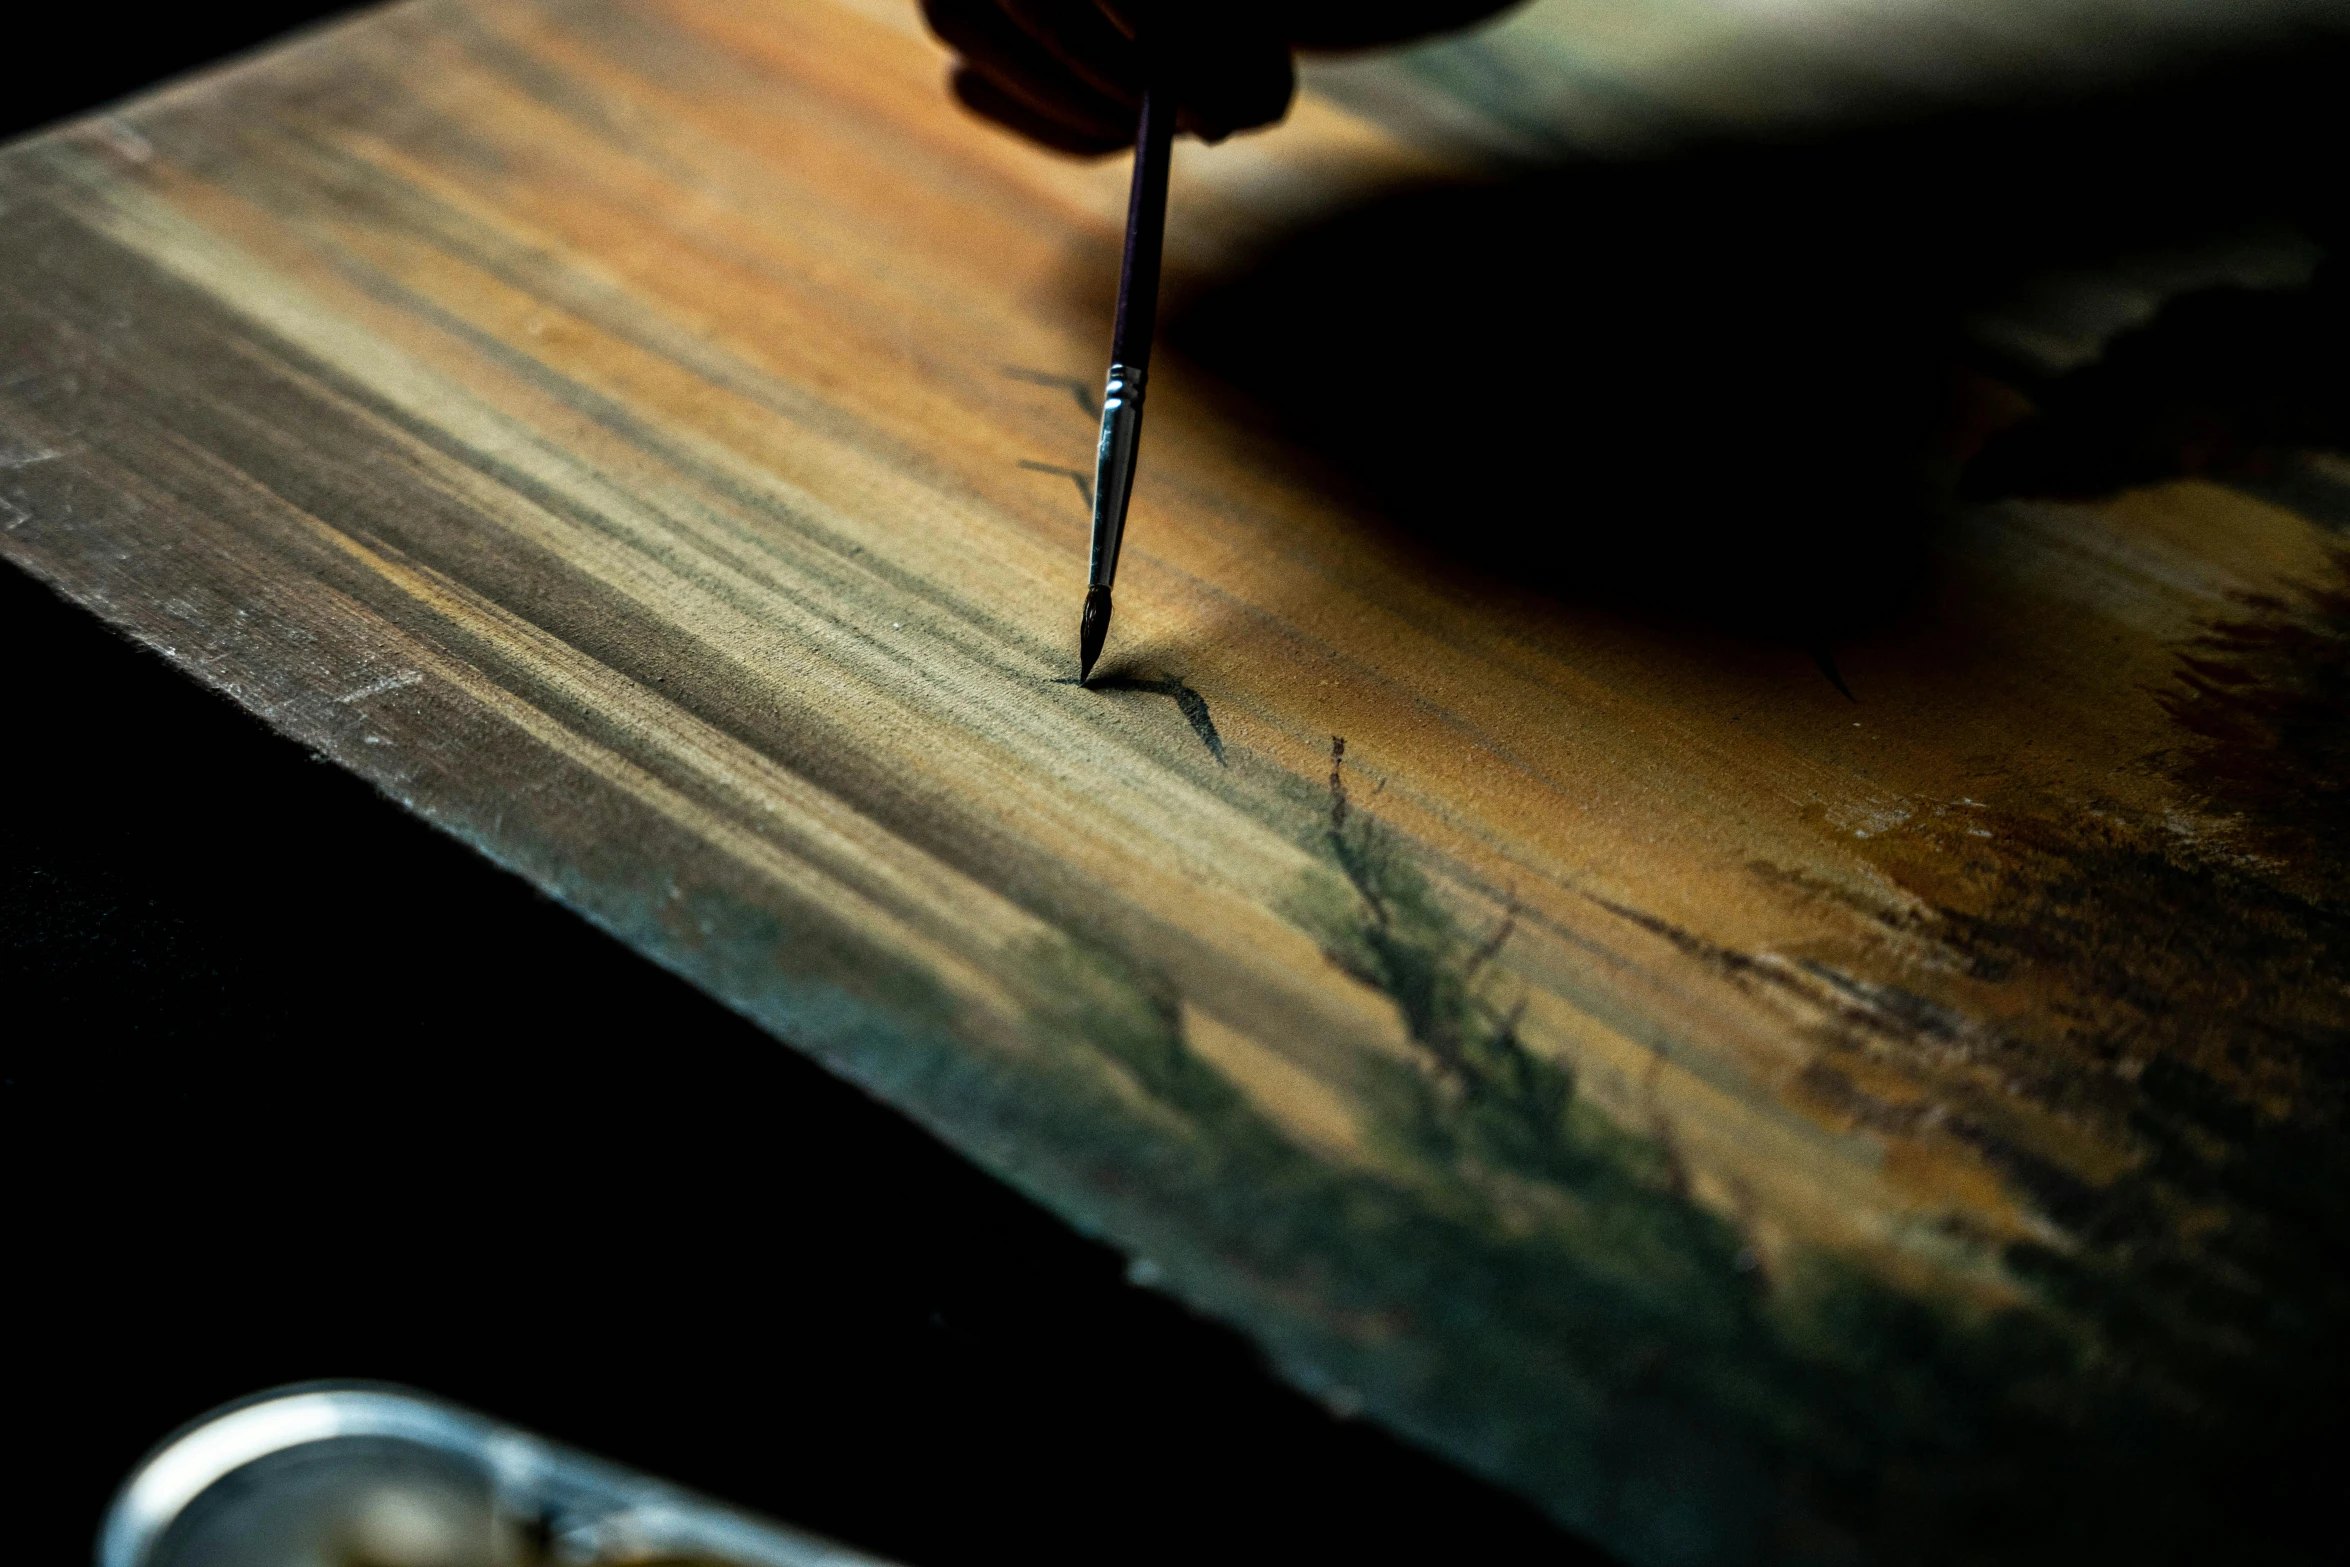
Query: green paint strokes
[[1530, 1287]]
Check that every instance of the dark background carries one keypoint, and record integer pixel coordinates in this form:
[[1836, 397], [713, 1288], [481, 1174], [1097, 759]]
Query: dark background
[[296, 1088]]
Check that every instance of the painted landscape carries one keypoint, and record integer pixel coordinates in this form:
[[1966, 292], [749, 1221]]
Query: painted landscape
[[1709, 872]]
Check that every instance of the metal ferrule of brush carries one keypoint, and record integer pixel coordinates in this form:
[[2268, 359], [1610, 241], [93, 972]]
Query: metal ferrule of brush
[[1113, 468]]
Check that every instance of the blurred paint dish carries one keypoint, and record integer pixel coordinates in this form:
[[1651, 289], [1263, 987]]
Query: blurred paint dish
[[352, 1475]]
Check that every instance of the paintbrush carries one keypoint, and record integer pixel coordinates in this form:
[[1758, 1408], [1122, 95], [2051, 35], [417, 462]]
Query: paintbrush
[[1130, 358]]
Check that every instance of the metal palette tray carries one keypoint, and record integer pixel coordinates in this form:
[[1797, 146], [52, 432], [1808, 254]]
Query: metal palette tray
[[347, 1475]]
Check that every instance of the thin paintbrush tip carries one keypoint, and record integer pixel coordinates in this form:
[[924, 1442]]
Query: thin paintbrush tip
[[1092, 630]]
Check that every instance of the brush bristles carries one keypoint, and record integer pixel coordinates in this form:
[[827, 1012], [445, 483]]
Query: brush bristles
[[1092, 630]]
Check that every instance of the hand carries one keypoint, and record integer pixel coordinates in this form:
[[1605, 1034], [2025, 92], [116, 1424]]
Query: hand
[[1069, 73]]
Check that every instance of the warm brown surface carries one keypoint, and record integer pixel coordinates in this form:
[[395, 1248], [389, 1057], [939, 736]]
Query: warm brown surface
[[625, 432]]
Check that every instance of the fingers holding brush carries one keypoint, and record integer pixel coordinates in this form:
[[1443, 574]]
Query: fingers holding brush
[[1069, 74], [1227, 60], [1367, 24], [1014, 76], [984, 96]]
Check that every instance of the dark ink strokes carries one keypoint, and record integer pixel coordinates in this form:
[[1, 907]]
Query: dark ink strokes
[[1193, 706], [2265, 698], [2231, 384]]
